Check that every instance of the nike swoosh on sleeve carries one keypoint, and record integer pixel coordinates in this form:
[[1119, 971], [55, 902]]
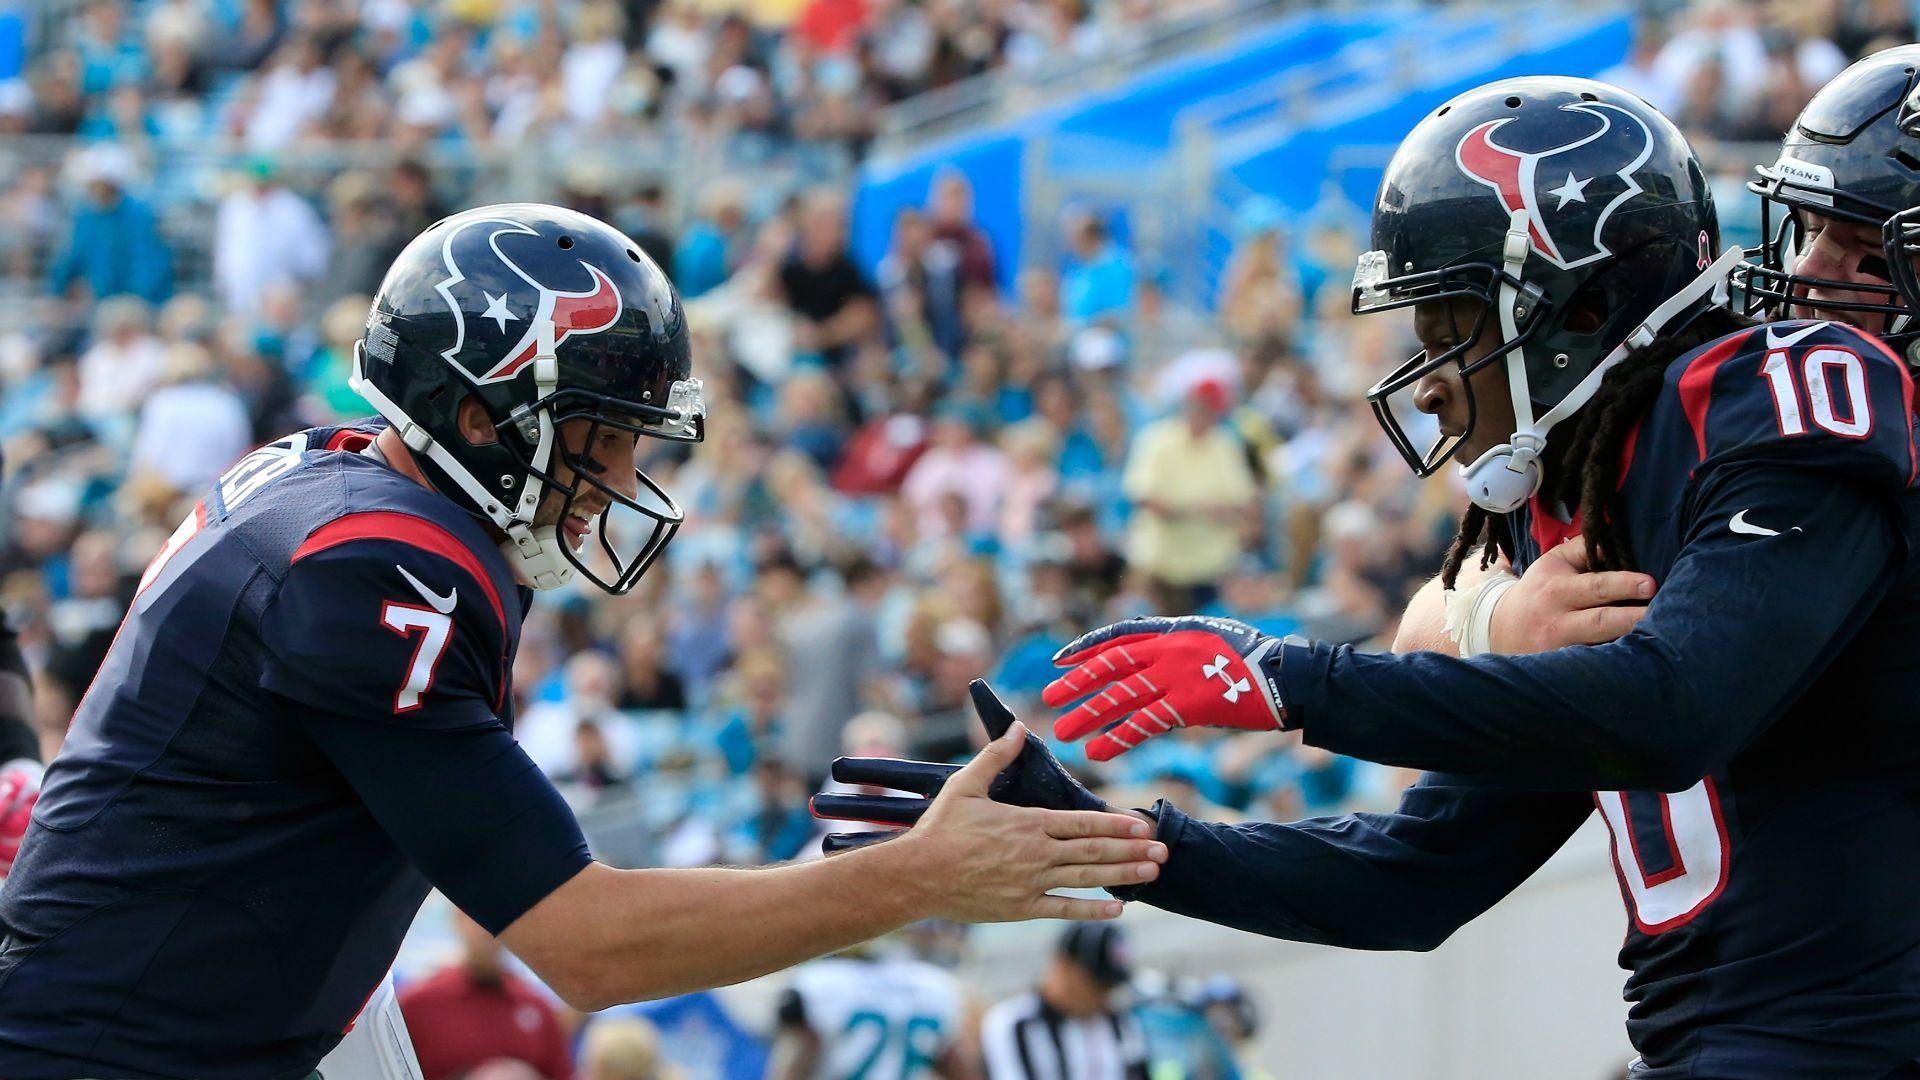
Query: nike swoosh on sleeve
[[441, 604]]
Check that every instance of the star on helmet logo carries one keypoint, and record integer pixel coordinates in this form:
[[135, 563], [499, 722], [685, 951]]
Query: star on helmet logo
[[505, 336], [498, 311], [1597, 167]]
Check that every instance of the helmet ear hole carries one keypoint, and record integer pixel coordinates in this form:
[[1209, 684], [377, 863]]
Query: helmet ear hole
[[1586, 310], [1603, 296]]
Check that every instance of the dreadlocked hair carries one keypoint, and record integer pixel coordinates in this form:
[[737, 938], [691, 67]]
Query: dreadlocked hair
[[1584, 465]]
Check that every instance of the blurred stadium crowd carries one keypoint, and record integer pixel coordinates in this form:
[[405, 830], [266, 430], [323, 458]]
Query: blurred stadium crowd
[[912, 477]]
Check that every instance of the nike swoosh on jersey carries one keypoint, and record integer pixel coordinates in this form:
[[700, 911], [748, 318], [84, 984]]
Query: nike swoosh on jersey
[[1741, 525], [1784, 341], [441, 604]]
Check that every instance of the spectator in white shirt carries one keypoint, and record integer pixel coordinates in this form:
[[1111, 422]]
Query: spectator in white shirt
[[593, 63], [292, 93], [123, 362], [265, 235], [192, 427]]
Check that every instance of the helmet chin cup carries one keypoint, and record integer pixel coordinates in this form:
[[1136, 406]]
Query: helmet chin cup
[[1501, 480], [537, 558]]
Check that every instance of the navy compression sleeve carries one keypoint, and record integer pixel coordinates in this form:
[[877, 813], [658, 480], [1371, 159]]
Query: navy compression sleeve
[[1738, 630], [467, 806], [1404, 880]]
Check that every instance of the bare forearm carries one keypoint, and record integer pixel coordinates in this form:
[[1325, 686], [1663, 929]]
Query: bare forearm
[[1423, 625], [639, 934]]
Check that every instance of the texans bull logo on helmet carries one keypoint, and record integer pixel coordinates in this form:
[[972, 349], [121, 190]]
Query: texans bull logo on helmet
[[504, 338], [1567, 190]]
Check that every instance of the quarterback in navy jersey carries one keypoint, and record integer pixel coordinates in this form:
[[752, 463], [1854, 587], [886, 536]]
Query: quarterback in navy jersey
[[305, 721], [1748, 744]]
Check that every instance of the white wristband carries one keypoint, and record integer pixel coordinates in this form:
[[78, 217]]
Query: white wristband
[[1470, 613]]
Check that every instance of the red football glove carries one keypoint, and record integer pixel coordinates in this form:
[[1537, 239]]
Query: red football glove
[[1158, 674], [19, 789]]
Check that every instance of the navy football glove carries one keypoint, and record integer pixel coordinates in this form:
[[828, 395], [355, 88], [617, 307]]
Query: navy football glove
[[1036, 778], [1157, 674]]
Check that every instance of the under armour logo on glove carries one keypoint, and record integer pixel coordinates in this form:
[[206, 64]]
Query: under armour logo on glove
[[1139, 674], [1218, 670]]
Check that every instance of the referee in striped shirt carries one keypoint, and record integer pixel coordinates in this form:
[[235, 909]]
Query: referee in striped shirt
[[1073, 1025]]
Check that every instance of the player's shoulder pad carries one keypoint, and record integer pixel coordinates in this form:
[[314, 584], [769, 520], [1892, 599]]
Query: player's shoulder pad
[[350, 437], [385, 613], [1818, 394], [421, 559]]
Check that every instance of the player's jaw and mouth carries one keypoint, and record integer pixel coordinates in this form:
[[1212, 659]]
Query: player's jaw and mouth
[[1840, 253], [1841, 306], [575, 515], [577, 527], [581, 514], [1470, 410]]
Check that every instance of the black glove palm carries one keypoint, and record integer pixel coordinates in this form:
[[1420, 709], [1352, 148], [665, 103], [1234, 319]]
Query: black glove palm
[[1036, 778]]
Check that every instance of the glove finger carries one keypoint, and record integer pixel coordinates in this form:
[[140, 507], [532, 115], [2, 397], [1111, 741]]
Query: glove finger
[[837, 842], [1093, 640], [919, 777], [994, 714], [875, 809], [1129, 694], [1156, 719], [1117, 661]]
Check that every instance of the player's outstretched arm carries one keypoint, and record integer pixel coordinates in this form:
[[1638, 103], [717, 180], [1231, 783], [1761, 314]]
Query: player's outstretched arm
[[610, 936], [1735, 635], [1404, 880]]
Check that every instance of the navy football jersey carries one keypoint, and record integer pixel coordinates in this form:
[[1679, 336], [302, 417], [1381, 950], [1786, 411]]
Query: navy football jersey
[[302, 723], [1754, 741]]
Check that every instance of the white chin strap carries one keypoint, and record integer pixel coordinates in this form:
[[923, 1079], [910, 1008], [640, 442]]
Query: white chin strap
[[1501, 480], [536, 555]]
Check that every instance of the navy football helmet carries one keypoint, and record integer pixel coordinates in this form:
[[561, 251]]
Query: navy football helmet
[[1845, 158], [1580, 221], [545, 315], [1901, 235]]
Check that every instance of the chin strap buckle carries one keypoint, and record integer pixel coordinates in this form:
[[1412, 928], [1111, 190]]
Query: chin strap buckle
[[1519, 230], [1527, 446]]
